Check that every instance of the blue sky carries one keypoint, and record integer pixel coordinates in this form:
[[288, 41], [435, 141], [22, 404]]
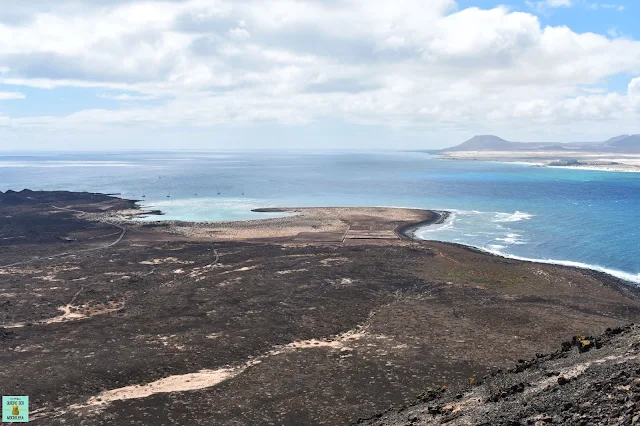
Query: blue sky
[[252, 74]]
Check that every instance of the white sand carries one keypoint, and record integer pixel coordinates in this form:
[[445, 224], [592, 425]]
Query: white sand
[[627, 162], [304, 220], [208, 378], [73, 313], [180, 383]]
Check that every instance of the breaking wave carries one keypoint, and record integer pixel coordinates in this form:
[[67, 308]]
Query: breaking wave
[[512, 239], [626, 276], [512, 217], [497, 241]]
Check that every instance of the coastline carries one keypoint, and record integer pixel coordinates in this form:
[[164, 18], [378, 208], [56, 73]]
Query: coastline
[[409, 231], [620, 163], [406, 232], [622, 168], [314, 225], [621, 278], [304, 225], [625, 277]]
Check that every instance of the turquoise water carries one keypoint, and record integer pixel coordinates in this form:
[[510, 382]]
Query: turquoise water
[[578, 217]]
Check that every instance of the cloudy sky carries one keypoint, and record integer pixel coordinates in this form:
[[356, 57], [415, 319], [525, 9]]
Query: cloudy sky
[[236, 74]]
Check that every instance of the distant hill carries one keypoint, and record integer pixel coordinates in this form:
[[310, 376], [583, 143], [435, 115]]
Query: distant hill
[[491, 143], [554, 148], [622, 144], [628, 144], [616, 139]]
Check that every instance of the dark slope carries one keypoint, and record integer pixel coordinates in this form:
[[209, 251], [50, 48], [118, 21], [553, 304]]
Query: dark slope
[[372, 324], [590, 381]]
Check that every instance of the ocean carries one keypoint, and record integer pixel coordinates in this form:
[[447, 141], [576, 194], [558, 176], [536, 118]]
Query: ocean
[[574, 217]]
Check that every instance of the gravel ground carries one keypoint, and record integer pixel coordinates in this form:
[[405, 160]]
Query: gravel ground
[[590, 381]]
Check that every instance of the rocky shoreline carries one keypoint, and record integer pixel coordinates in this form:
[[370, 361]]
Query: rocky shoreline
[[438, 218]]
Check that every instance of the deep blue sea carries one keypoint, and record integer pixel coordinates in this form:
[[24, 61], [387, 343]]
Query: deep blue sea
[[583, 218]]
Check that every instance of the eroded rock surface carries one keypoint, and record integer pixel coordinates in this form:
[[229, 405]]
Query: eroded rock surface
[[572, 386]]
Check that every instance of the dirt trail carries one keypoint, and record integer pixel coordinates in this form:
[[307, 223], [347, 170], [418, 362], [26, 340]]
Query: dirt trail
[[209, 378], [73, 313]]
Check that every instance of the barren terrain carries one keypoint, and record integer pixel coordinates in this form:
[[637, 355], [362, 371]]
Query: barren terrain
[[590, 381], [106, 321]]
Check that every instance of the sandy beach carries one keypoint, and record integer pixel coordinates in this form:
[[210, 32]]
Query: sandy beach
[[624, 162]]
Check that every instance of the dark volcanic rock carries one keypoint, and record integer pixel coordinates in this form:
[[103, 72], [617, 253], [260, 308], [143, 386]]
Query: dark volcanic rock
[[598, 387], [12, 200], [310, 333], [6, 334]]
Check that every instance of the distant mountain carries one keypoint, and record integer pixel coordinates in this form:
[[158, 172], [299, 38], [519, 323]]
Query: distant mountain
[[616, 139], [491, 143], [628, 144], [622, 144], [484, 142]]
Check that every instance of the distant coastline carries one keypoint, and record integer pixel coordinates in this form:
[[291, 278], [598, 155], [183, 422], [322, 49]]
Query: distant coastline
[[604, 162], [618, 154]]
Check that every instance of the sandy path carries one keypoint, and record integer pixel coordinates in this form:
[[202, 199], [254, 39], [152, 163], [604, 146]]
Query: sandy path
[[73, 313], [208, 378]]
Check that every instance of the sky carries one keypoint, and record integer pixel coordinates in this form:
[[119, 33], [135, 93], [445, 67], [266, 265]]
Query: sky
[[314, 74]]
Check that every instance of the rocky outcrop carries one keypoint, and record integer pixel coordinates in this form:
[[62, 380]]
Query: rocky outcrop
[[589, 381]]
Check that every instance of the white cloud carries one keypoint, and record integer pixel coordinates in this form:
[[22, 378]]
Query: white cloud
[[408, 63], [559, 3], [4, 96], [634, 93], [634, 87], [239, 33], [543, 5], [597, 6], [125, 97]]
